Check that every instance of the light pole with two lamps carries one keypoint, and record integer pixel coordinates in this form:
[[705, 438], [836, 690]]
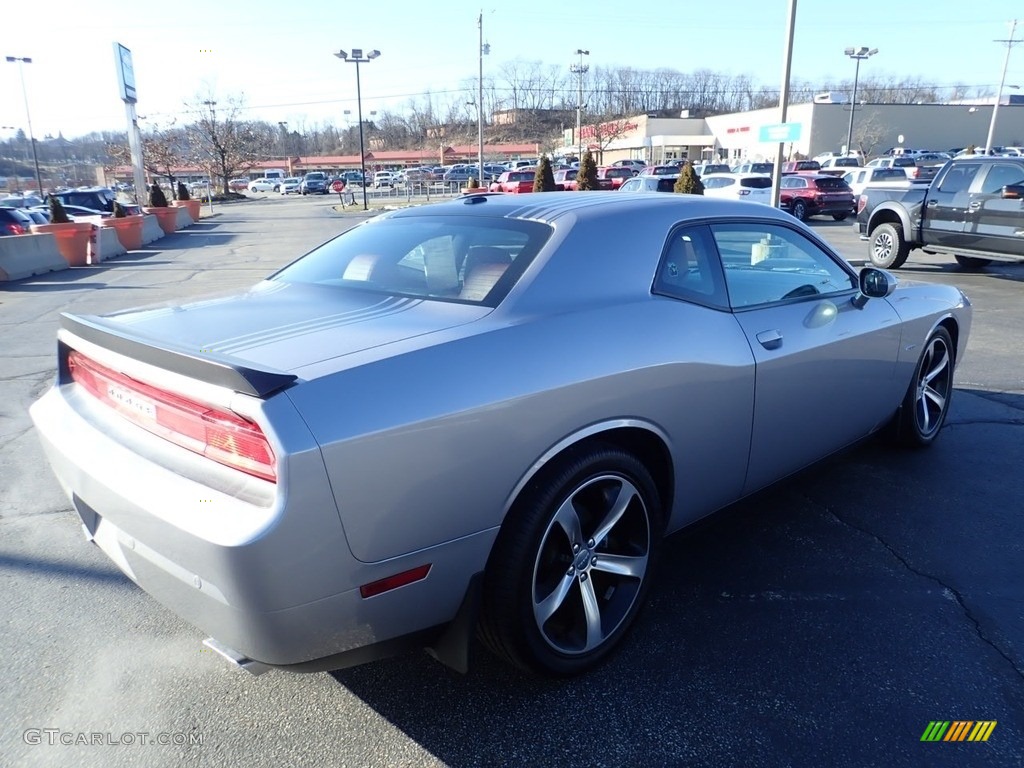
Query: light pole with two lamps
[[579, 70], [358, 58], [858, 54], [22, 60]]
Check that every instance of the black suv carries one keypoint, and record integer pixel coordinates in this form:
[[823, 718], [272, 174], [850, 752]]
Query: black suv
[[96, 198], [314, 181]]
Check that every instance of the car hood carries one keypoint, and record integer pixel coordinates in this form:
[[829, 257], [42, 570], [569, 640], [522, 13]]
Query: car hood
[[286, 326]]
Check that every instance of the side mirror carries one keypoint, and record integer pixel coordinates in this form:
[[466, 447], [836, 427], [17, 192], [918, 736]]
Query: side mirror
[[874, 284], [1013, 192]]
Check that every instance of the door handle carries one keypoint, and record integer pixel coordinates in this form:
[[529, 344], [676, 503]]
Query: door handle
[[770, 339], [932, 203], [974, 206]]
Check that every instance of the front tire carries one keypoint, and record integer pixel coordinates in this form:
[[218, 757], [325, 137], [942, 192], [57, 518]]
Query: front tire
[[927, 400], [971, 263], [888, 248], [572, 563]]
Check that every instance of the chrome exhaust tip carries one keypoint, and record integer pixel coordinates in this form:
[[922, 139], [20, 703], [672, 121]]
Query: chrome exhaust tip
[[254, 668]]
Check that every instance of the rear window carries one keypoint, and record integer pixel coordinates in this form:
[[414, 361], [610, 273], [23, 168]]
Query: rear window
[[904, 162], [521, 176], [756, 183], [847, 162], [619, 173], [833, 184], [882, 174], [472, 259], [808, 165], [667, 185]]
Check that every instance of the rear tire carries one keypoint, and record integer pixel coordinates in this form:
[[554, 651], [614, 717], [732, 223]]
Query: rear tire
[[888, 249], [800, 210], [572, 563], [927, 400], [971, 263], [840, 216]]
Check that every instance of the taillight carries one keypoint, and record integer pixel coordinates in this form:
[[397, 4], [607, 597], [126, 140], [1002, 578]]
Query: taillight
[[914, 174], [14, 229], [862, 203], [217, 434]]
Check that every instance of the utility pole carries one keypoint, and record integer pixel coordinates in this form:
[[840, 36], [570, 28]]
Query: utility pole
[[787, 66], [1002, 81], [580, 69], [484, 49]]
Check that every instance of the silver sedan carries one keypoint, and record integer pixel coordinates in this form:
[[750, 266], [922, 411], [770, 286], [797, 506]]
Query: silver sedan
[[479, 417]]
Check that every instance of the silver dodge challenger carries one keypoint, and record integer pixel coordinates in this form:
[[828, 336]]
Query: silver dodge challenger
[[479, 418]]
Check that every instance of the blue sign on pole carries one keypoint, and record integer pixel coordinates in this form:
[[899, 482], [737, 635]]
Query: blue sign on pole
[[780, 133]]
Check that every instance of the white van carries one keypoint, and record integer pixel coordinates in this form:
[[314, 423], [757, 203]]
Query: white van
[[275, 173]]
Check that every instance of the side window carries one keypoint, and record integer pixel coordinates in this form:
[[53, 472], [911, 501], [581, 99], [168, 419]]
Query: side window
[[1001, 174], [958, 177], [767, 263], [689, 269]]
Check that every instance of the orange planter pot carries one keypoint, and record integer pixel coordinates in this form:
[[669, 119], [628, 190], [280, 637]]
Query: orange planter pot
[[194, 207], [72, 240], [128, 229], [167, 218]]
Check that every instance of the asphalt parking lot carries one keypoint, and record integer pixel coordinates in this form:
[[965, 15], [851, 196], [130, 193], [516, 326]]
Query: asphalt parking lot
[[826, 621]]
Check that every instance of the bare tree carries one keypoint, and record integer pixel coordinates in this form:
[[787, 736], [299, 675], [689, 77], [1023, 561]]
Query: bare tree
[[867, 133], [603, 132], [222, 140], [164, 152]]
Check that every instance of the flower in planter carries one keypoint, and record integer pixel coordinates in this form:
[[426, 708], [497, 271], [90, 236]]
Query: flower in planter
[[183, 192], [57, 213], [120, 211], [157, 199]]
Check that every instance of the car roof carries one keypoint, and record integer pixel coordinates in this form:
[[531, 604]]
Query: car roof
[[596, 205], [736, 176]]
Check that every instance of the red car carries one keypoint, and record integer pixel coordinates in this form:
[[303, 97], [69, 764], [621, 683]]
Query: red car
[[807, 194], [565, 179], [613, 174], [517, 182]]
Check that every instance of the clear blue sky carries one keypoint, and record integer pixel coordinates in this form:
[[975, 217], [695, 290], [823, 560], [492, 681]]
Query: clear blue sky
[[278, 53]]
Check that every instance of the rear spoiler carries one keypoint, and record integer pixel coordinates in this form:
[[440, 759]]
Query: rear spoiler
[[220, 372]]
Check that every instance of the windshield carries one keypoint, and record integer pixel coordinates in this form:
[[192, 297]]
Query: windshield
[[474, 259]]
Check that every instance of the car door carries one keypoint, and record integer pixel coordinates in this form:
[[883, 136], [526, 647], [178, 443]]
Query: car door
[[711, 393], [824, 368], [787, 190], [995, 223], [944, 218]]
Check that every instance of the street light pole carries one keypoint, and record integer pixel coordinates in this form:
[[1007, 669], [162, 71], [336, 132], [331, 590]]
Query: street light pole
[[357, 58], [579, 69], [1002, 81], [859, 55], [484, 49], [22, 60]]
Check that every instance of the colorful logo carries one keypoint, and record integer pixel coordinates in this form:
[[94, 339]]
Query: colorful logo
[[958, 730]]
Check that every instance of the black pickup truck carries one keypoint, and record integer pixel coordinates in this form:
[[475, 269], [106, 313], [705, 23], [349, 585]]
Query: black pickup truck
[[973, 209]]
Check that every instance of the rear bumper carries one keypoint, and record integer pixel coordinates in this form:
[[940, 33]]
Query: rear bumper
[[276, 581]]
